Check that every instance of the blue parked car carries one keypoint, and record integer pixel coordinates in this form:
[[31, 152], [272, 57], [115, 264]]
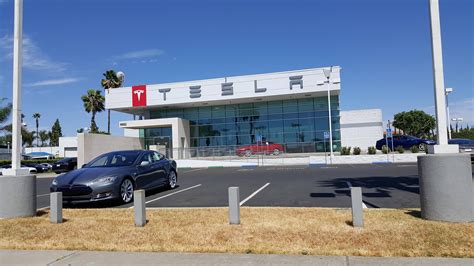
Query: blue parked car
[[405, 141], [465, 145]]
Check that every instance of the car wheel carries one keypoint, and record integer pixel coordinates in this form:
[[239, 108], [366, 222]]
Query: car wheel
[[276, 152], [172, 179], [126, 190], [248, 153], [422, 147]]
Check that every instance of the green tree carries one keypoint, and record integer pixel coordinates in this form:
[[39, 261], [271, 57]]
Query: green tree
[[27, 136], [5, 111], [93, 103], [466, 133], [110, 81], [43, 136], [415, 122], [55, 133], [37, 116]]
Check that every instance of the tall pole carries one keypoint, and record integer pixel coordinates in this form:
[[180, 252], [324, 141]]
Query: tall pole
[[327, 73], [330, 123], [448, 118], [442, 136], [17, 64]]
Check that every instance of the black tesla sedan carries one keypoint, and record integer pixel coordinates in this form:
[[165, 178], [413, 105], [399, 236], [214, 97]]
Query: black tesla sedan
[[115, 175]]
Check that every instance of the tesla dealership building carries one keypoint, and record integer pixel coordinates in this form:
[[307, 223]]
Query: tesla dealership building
[[298, 109]]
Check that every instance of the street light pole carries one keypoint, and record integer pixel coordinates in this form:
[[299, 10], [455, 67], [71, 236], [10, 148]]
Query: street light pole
[[447, 92], [17, 69], [457, 120], [327, 73]]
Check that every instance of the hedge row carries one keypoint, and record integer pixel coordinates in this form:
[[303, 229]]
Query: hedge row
[[30, 161]]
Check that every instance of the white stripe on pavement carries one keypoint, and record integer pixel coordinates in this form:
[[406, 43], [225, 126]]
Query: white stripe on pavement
[[167, 195], [253, 194], [349, 185], [42, 195], [189, 171]]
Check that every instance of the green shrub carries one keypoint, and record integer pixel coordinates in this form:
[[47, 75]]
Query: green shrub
[[384, 149], [372, 150], [414, 149], [346, 151], [400, 149], [356, 151]]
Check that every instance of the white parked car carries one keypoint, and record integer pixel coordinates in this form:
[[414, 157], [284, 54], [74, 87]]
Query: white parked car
[[32, 170]]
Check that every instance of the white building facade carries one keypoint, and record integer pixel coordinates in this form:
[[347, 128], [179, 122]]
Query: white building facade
[[296, 109]]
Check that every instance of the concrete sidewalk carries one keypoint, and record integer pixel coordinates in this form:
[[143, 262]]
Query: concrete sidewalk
[[52, 257]]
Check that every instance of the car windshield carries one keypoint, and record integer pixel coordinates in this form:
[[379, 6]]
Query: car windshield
[[115, 159]]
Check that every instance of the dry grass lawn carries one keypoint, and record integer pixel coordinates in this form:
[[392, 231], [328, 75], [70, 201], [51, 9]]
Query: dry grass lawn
[[312, 231]]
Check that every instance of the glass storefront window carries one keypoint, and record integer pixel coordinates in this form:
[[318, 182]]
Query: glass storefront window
[[299, 123]]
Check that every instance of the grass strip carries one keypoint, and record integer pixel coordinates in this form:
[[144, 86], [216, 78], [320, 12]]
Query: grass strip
[[307, 231]]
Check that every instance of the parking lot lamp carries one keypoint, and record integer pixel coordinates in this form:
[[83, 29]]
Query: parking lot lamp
[[447, 91], [457, 120], [327, 73]]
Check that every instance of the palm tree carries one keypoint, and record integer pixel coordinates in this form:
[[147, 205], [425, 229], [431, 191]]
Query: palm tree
[[5, 111], [93, 103], [109, 81], [37, 116], [43, 136]]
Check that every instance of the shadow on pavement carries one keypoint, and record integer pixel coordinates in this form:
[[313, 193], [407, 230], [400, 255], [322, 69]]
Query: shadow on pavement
[[382, 184]]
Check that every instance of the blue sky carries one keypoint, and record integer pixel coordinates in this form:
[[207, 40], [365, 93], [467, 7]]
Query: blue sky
[[382, 46]]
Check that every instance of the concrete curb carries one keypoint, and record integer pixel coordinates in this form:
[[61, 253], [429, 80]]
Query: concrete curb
[[61, 257]]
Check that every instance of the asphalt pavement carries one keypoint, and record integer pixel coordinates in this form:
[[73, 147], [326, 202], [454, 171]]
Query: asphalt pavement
[[383, 186]]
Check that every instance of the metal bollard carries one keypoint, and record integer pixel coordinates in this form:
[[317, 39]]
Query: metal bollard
[[357, 213], [139, 207], [234, 205], [56, 207]]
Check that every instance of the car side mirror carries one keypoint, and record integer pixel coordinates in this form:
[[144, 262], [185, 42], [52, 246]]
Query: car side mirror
[[83, 165], [144, 163]]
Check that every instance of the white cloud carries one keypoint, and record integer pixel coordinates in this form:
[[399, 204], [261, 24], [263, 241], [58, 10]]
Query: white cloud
[[33, 57], [142, 56], [52, 82]]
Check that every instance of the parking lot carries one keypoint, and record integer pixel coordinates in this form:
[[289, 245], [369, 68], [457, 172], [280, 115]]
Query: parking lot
[[383, 186]]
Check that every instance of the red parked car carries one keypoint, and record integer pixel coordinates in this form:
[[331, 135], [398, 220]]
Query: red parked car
[[260, 148]]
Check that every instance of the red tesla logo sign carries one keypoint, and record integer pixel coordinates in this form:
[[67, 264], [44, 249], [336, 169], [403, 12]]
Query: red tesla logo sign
[[139, 95]]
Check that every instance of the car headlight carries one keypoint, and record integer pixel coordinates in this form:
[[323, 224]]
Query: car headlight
[[105, 179], [55, 182]]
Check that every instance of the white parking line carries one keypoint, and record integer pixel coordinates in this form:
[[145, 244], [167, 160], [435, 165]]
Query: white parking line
[[253, 194], [350, 185], [189, 171], [42, 195], [167, 195]]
